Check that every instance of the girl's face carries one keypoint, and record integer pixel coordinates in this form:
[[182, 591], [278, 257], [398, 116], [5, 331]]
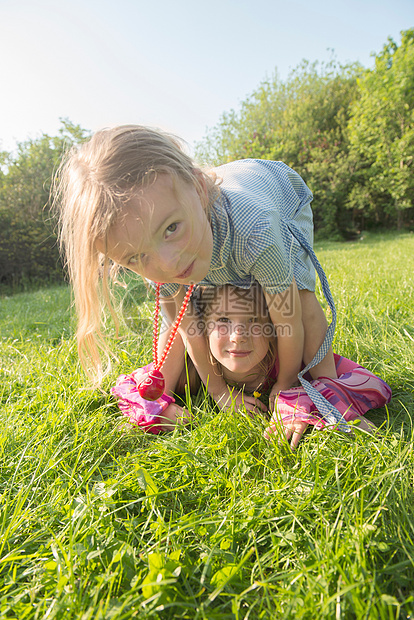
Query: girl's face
[[163, 235], [238, 330]]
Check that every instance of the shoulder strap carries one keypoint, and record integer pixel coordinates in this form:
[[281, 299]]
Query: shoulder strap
[[325, 408]]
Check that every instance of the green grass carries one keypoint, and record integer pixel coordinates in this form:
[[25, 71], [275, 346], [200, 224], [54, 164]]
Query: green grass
[[211, 521]]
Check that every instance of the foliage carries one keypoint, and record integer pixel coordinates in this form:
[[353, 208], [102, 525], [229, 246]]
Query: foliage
[[27, 239], [347, 131], [316, 142], [382, 127], [210, 522], [302, 122]]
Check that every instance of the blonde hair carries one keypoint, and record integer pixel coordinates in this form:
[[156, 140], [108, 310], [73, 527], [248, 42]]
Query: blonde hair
[[206, 302], [91, 187]]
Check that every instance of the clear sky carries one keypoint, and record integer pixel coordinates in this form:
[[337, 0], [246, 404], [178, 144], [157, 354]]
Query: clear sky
[[174, 64]]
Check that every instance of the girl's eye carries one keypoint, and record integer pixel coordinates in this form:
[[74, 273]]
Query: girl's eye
[[223, 319], [171, 229]]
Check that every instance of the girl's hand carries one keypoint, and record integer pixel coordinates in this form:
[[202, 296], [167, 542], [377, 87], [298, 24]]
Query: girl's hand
[[174, 415], [252, 404], [292, 430]]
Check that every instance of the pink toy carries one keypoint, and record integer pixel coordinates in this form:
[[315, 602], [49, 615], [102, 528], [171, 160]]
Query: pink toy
[[147, 414]]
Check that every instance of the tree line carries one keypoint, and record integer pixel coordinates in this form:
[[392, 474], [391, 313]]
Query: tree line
[[28, 242], [348, 131]]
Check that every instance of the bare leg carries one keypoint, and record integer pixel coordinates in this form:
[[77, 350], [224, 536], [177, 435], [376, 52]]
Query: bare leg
[[315, 326]]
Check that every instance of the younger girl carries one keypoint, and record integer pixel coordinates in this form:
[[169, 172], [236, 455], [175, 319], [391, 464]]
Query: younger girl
[[242, 347], [131, 197]]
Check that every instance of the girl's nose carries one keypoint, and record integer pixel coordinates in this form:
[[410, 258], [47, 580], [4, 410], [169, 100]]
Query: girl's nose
[[167, 261], [239, 333]]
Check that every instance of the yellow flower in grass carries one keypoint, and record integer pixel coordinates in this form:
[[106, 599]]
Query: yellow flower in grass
[[256, 394]]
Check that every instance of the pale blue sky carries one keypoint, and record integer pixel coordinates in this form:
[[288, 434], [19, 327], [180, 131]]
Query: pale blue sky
[[174, 64]]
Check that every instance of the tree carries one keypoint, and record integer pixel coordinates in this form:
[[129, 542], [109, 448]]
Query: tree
[[249, 133], [302, 122], [381, 129], [28, 248], [314, 139]]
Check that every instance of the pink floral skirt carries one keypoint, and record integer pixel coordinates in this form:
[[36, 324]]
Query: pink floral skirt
[[353, 393]]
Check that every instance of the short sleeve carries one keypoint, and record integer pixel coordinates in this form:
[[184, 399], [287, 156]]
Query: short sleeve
[[270, 255], [265, 201]]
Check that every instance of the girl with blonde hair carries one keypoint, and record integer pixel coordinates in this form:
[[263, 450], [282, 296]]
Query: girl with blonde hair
[[131, 197]]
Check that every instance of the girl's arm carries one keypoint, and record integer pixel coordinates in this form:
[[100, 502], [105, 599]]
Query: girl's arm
[[189, 335], [315, 326], [286, 313], [174, 362]]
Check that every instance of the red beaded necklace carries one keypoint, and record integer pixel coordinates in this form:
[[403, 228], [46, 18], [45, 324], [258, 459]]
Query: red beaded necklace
[[151, 387]]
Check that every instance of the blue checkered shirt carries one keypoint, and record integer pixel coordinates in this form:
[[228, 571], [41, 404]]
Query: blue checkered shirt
[[263, 231]]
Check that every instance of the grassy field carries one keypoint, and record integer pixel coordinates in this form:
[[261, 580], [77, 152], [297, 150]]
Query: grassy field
[[211, 521]]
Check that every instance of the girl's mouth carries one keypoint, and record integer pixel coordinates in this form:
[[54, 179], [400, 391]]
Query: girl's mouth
[[186, 273], [239, 353]]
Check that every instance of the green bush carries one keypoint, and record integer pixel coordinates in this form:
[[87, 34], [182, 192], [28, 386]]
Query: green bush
[[28, 250]]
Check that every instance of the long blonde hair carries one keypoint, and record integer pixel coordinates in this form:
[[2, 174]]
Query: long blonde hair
[[91, 187]]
